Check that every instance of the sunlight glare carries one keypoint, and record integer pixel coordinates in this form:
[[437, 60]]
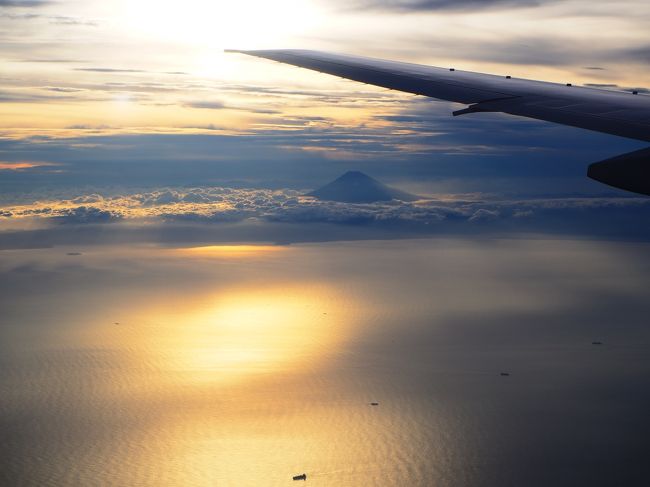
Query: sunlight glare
[[230, 251], [222, 24], [254, 331]]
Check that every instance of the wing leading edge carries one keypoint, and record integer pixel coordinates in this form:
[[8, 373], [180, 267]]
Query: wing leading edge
[[612, 112]]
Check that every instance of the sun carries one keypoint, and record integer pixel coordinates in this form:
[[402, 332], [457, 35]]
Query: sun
[[221, 24]]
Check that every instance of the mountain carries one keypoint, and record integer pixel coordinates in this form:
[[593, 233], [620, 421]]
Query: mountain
[[357, 187]]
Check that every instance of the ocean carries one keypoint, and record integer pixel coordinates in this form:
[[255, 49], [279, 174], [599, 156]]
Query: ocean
[[436, 362]]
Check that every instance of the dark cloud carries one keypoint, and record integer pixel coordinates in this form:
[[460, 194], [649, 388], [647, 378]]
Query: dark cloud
[[24, 3], [85, 214]]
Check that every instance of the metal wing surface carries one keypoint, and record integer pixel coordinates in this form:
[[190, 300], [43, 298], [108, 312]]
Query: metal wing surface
[[626, 114]]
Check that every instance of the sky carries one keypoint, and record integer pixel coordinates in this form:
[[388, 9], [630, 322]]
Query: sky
[[130, 112]]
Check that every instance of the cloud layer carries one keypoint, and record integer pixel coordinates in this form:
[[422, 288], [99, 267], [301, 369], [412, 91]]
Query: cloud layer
[[213, 210]]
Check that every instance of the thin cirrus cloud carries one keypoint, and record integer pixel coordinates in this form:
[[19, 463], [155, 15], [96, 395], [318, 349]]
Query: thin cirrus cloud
[[24, 3], [110, 70], [124, 70], [219, 105], [208, 105], [53, 61], [435, 5], [22, 165]]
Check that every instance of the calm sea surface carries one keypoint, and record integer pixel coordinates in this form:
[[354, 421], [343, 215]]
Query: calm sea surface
[[493, 363]]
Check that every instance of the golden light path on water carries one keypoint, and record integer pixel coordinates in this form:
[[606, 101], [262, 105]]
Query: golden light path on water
[[228, 334], [227, 384], [247, 331]]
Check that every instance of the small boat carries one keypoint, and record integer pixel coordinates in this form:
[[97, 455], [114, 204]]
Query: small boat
[[374, 404], [505, 374], [596, 343], [302, 476]]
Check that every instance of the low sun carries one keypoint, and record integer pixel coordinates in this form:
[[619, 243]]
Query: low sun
[[222, 24]]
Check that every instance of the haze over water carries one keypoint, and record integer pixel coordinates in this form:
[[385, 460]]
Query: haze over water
[[248, 365]]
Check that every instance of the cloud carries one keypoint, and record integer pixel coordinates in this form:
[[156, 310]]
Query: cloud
[[436, 5], [558, 50], [24, 3], [57, 89], [61, 61], [86, 214], [219, 105], [89, 127], [22, 165], [416, 143], [110, 70], [639, 53], [483, 214], [210, 105], [52, 19], [268, 210], [20, 96], [65, 20], [128, 71]]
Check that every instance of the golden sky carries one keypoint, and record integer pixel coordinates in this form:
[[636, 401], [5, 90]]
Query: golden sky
[[71, 66]]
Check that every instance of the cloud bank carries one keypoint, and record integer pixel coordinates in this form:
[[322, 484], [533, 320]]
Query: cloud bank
[[213, 210]]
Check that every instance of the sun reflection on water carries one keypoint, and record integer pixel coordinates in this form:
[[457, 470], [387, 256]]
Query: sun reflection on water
[[240, 332], [225, 251], [218, 371], [253, 331]]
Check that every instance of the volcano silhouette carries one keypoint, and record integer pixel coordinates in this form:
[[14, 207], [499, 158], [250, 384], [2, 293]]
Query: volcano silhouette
[[357, 187]]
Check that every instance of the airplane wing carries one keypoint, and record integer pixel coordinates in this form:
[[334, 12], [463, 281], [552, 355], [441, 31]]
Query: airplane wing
[[625, 114]]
